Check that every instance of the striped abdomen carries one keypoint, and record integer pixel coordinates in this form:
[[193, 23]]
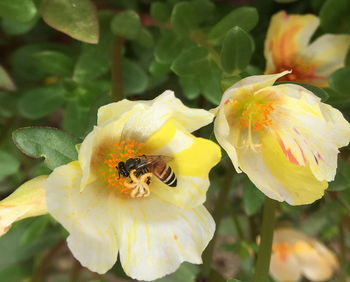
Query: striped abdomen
[[165, 174]]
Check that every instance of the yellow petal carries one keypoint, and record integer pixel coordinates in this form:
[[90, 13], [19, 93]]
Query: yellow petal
[[27, 201], [155, 237], [287, 36], [298, 181], [85, 215], [193, 158]]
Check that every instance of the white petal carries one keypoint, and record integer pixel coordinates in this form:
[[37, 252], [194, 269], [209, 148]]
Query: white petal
[[85, 215], [163, 107], [156, 237], [328, 52], [287, 269]]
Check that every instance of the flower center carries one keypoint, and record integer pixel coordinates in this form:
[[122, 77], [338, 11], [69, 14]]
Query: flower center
[[134, 185], [256, 116]]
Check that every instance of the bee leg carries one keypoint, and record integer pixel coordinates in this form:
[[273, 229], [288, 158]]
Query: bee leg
[[145, 180]]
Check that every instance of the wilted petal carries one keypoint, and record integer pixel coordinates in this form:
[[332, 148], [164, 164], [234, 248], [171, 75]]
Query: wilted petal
[[27, 201], [155, 237], [85, 215]]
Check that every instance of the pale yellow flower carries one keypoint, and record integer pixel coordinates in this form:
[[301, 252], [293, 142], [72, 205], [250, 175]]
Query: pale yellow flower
[[152, 231], [288, 47], [283, 137], [27, 201], [295, 254]]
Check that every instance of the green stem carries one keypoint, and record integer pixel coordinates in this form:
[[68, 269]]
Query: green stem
[[342, 247], [217, 215], [265, 247], [117, 73]]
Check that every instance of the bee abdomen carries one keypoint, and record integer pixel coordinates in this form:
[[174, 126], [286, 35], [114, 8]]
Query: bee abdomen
[[168, 177]]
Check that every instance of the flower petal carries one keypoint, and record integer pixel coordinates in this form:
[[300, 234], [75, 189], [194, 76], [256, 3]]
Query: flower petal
[[313, 264], [162, 107], [27, 201], [156, 237], [310, 132], [192, 160], [328, 53], [285, 269], [287, 36], [92, 239], [298, 181], [251, 83]]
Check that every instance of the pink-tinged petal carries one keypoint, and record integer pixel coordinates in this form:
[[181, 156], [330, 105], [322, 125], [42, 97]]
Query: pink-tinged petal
[[155, 237], [287, 36], [310, 132], [85, 215]]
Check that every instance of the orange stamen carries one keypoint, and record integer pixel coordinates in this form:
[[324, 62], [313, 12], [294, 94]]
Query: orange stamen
[[121, 151], [256, 116]]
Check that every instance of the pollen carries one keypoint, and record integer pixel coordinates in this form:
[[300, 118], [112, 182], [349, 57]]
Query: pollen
[[256, 116], [121, 151]]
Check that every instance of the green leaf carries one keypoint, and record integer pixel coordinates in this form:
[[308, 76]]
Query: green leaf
[[170, 46], [15, 273], [17, 10], [209, 82], [126, 24], [253, 199], [95, 60], [9, 244], [160, 11], [229, 81], [233, 280], [237, 50], [339, 80], [244, 17], [135, 79], [190, 61], [17, 28], [76, 18], [39, 102], [54, 62], [190, 86], [76, 119], [145, 38], [186, 16], [6, 82], [334, 16], [35, 229], [319, 92], [8, 164], [158, 69], [56, 146]]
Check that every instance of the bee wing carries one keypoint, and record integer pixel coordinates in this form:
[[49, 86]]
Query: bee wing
[[151, 160]]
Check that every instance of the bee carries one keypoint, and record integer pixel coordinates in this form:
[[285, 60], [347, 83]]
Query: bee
[[141, 169], [154, 164]]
